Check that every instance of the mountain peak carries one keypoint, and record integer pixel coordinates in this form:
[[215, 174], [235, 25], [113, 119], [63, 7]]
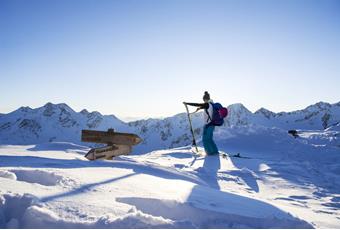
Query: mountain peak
[[49, 108], [55, 104], [91, 114], [50, 105], [84, 111], [238, 108], [96, 113], [265, 112], [262, 110], [25, 108], [22, 109], [320, 105]]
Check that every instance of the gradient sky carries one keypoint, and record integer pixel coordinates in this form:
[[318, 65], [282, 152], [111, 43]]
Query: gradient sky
[[142, 58]]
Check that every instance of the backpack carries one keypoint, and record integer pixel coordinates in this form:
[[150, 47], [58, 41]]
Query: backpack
[[219, 113]]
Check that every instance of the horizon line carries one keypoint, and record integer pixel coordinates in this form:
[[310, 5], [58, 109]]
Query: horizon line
[[136, 118]]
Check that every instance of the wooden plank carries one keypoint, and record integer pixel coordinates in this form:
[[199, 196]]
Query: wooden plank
[[110, 137], [108, 152]]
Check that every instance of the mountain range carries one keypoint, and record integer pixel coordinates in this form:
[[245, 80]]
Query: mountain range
[[60, 123]]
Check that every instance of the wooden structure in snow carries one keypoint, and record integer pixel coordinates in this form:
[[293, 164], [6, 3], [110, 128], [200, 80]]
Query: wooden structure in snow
[[117, 143]]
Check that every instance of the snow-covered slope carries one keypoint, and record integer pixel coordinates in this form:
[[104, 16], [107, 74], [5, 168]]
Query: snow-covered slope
[[318, 116], [58, 122], [51, 122], [53, 186], [335, 127]]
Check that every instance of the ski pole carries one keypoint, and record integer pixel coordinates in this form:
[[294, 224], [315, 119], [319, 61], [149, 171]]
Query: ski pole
[[191, 129]]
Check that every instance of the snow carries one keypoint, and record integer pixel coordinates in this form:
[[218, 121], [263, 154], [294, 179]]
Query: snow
[[52, 185], [283, 182]]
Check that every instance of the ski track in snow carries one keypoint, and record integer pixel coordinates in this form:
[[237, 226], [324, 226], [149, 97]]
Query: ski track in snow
[[53, 186]]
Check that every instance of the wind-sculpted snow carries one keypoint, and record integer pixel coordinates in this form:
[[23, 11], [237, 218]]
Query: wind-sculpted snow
[[37, 176], [25, 211], [208, 216], [162, 189]]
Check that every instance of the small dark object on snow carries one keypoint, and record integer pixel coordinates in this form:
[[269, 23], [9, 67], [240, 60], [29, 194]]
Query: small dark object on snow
[[294, 133], [237, 155]]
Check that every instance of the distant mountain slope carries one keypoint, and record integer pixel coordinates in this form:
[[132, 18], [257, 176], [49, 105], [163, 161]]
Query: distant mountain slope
[[59, 122], [318, 116], [51, 122]]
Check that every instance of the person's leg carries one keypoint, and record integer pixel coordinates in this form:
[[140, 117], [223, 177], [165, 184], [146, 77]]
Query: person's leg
[[205, 139], [213, 144], [212, 148]]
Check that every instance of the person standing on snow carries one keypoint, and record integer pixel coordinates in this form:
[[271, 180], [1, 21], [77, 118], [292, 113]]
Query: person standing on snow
[[208, 129]]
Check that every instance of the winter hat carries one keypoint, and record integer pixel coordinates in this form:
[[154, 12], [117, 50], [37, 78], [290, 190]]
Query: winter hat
[[206, 96]]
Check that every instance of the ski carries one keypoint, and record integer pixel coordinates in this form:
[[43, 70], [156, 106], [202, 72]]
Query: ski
[[238, 155]]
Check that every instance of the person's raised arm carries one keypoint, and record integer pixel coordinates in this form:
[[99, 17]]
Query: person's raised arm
[[199, 105]]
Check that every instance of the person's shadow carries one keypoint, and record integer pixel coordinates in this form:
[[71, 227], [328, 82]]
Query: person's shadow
[[208, 207], [209, 171]]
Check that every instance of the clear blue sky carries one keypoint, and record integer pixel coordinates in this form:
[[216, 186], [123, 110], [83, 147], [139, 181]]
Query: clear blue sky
[[144, 57]]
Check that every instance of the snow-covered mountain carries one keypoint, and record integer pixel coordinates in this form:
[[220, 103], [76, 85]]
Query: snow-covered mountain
[[278, 182], [59, 122], [51, 122], [318, 116]]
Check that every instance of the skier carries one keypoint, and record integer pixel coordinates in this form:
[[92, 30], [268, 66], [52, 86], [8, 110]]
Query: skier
[[208, 129]]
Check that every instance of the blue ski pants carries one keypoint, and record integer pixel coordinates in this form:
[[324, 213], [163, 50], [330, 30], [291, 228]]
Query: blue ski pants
[[208, 142]]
